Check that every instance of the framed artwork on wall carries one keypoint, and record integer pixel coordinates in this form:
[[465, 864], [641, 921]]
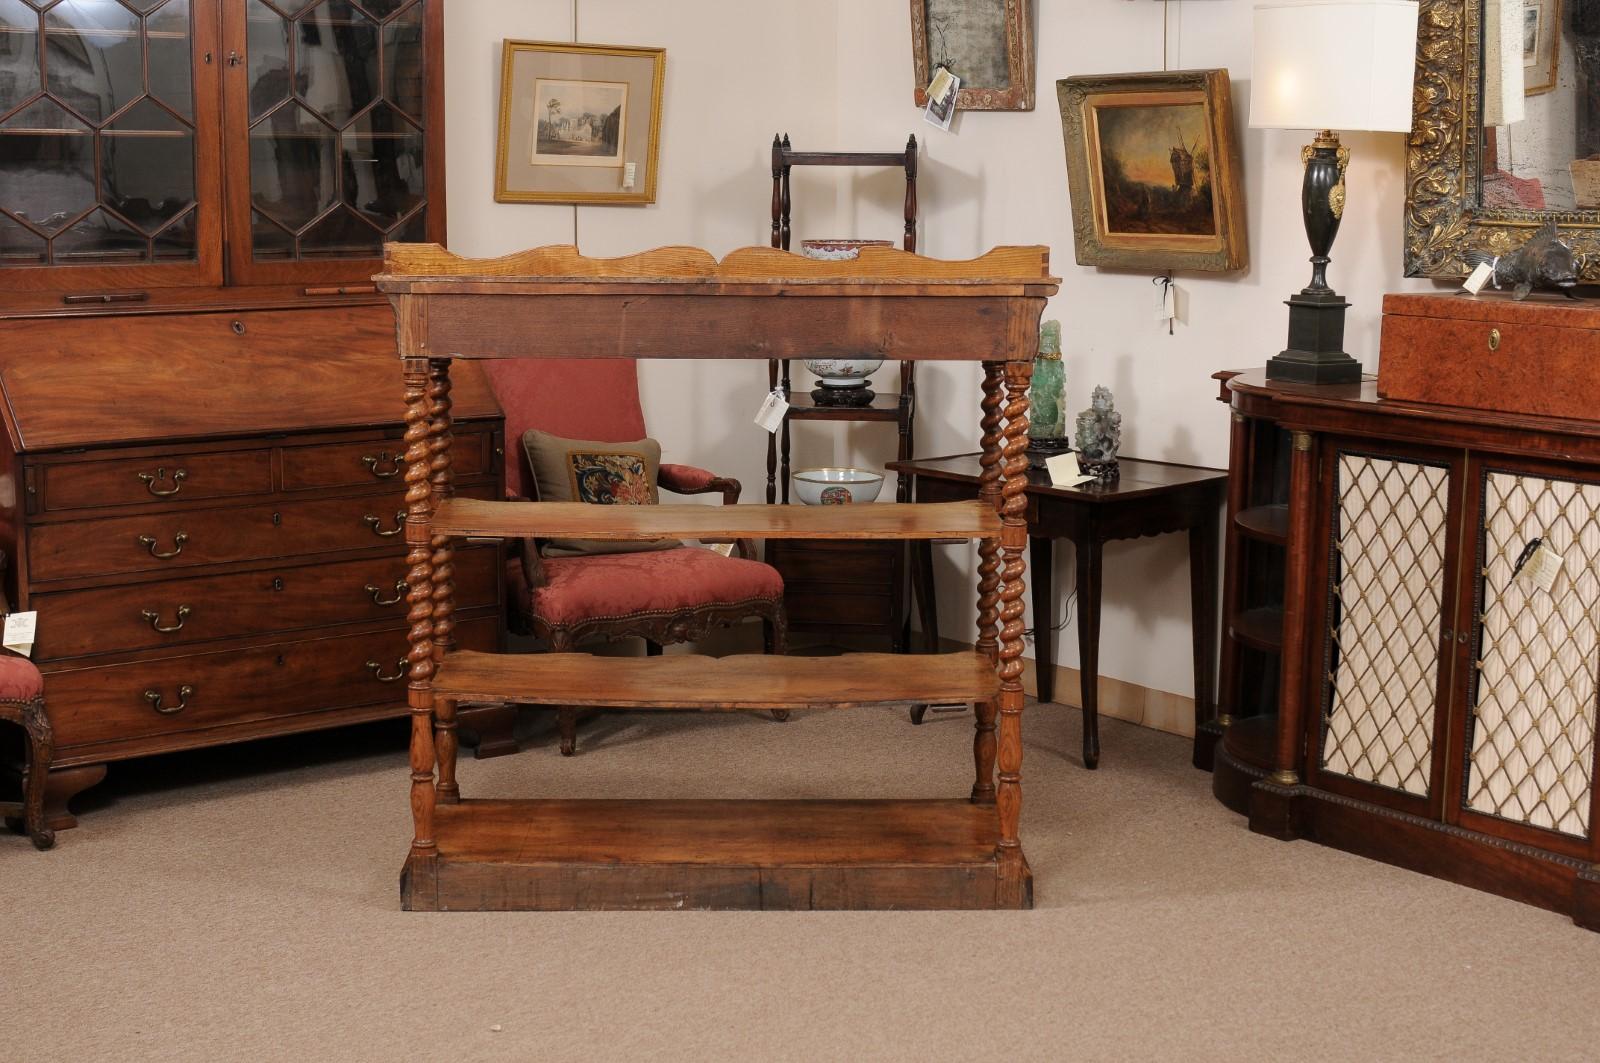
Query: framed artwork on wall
[[1541, 45], [1153, 170], [988, 44], [579, 123]]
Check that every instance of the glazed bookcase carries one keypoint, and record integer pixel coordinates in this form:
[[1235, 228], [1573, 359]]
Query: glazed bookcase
[[758, 303]]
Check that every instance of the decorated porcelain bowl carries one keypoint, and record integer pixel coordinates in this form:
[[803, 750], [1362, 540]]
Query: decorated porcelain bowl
[[838, 248], [843, 372], [837, 487]]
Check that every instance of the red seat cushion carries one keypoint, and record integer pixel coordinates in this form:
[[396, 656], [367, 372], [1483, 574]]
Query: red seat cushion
[[612, 586], [19, 679]]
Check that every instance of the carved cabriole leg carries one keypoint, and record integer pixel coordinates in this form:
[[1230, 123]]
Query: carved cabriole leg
[[983, 740], [1013, 542], [440, 438], [41, 749], [419, 602]]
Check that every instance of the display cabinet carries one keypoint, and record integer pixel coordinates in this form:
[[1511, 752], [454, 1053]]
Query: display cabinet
[[157, 151], [1436, 701]]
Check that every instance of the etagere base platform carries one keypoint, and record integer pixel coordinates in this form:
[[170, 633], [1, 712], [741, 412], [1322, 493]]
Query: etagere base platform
[[546, 855], [726, 855]]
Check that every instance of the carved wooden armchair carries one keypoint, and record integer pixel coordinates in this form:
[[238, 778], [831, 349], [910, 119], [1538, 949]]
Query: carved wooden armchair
[[22, 703], [661, 596]]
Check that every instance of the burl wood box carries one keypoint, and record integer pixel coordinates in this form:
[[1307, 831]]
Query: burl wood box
[[1491, 352]]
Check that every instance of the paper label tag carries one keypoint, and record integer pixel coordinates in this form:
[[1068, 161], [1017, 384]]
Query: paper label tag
[[628, 172], [1541, 569], [941, 98], [1169, 304], [725, 549], [20, 628], [1480, 276], [1064, 470], [773, 409]]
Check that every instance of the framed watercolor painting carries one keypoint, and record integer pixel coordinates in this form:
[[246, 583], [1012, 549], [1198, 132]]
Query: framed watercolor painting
[[988, 44], [1153, 170], [1541, 45], [579, 123]]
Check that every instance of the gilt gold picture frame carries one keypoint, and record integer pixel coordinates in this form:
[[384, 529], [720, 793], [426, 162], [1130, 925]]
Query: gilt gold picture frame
[[579, 123]]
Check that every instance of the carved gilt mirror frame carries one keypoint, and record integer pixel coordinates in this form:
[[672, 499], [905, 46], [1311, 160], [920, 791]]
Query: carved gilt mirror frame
[[1444, 217]]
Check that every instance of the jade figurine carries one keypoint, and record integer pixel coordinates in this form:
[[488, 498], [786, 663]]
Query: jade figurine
[[1047, 397], [1100, 436]]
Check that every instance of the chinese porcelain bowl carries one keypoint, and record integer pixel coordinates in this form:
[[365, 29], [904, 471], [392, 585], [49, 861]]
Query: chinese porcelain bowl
[[837, 487]]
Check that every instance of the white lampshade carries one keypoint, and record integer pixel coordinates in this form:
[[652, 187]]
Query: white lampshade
[[1334, 64]]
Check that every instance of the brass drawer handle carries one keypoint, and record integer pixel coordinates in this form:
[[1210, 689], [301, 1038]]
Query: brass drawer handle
[[1494, 339], [375, 593], [371, 461], [149, 543], [178, 476], [376, 524], [154, 619], [403, 668], [185, 692]]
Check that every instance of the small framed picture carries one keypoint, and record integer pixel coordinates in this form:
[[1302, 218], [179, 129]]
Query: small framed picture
[[579, 123], [987, 44], [1541, 45], [1153, 170]]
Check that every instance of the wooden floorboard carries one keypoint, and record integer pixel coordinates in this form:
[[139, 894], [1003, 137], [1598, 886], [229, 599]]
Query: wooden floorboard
[[738, 683]]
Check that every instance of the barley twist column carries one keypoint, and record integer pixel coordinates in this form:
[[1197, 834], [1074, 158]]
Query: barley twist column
[[1013, 541], [419, 601], [440, 439], [983, 741]]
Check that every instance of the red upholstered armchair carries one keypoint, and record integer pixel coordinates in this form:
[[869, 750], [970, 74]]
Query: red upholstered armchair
[[661, 596]]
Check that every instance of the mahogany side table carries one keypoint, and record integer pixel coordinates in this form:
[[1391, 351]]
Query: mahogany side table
[[1150, 498]]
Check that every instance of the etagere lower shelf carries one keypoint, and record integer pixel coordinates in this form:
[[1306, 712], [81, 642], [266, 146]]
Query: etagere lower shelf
[[595, 854]]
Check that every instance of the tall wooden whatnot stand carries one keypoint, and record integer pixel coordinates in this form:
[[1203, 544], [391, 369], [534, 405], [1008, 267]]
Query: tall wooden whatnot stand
[[682, 303]]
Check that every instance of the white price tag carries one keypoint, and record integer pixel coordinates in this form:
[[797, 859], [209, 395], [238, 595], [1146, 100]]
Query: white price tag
[[20, 628], [628, 172], [1169, 304], [773, 408], [1064, 470], [725, 549], [1541, 569], [1480, 276]]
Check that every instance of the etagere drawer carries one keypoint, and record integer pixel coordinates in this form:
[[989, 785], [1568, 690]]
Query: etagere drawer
[[156, 479], [356, 464], [183, 611], [161, 541], [146, 698]]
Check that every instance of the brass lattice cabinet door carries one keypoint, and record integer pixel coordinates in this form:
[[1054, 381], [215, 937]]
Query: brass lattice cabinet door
[[1530, 739], [1386, 598]]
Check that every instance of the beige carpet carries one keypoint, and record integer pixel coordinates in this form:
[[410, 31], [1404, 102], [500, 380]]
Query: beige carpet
[[243, 905]]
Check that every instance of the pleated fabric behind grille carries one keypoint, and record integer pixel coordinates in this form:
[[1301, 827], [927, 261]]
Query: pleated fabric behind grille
[[1387, 576], [1531, 739]]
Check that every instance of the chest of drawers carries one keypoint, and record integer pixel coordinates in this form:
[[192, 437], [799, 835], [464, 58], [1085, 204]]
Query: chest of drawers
[[206, 511]]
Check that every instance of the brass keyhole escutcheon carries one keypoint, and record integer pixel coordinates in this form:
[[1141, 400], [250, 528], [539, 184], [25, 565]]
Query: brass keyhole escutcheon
[[1494, 339]]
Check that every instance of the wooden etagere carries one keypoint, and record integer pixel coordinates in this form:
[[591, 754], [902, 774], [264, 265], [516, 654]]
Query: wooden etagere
[[682, 303]]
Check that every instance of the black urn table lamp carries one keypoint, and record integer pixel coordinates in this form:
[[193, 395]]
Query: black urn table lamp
[[1328, 65]]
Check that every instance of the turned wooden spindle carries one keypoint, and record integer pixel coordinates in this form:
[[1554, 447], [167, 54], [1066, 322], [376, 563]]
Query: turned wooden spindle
[[983, 739], [909, 241], [419, 597], [440, 439], [1013, 542]]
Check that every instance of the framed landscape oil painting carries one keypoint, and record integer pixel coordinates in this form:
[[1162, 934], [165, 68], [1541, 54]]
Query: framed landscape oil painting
[[1153, 170], [579, 123]]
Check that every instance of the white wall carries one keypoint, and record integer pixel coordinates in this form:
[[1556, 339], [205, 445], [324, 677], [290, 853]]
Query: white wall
[[837, 74]]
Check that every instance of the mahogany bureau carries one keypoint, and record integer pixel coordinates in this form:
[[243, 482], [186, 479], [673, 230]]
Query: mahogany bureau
[[206, 510]]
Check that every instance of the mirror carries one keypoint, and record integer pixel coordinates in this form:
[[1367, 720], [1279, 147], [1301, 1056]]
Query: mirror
[[1507, 131], [1539, 97]]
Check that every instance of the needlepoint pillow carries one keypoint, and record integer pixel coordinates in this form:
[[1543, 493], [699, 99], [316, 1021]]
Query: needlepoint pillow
[[605, 474]]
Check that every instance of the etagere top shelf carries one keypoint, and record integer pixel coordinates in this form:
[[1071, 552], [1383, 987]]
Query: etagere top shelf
[[680, 302]]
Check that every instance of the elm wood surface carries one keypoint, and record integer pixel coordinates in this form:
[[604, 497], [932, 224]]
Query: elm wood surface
[[711, 855], [1491, 353], [474, 517], [721, 684], [268, 429], [863, 286], [1271, 767], [1150, 498]]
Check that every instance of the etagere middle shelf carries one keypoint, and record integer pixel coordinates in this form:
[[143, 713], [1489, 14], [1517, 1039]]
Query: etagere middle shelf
[[682, 303]]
